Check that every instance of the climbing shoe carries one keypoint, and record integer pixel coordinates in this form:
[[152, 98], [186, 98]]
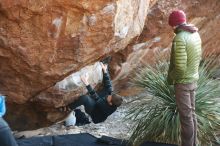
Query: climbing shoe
[[64, 109]]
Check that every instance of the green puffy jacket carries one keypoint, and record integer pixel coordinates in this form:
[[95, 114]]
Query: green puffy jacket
[[185, 57]]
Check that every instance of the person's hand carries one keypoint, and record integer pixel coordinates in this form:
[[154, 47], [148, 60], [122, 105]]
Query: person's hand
[[104, 67], [84, 79]]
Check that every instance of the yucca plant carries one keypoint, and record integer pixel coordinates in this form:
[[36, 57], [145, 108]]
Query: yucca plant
[[155, 116]]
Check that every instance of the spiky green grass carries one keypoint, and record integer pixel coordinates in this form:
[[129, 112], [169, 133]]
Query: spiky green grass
[[158, 119]]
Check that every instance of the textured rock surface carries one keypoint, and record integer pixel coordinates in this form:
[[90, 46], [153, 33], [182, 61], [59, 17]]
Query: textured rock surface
[[66, 91], [44, 41], [157, 35]]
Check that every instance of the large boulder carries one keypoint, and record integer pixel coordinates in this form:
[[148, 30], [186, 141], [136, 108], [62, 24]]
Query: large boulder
[[44, 41], [156, 38]]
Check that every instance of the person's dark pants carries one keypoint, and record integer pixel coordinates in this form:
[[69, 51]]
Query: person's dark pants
[[85, 100], [6, 137], [185, 100]]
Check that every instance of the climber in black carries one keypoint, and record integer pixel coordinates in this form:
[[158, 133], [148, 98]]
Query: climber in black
[[99, 105]]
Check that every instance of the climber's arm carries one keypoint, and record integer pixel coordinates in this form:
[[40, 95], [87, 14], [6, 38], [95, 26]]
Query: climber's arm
[[91, 91], [106, 79]]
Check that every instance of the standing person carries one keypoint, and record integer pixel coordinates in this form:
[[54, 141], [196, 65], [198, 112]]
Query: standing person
[[6, 137], [183, 73], [99, 105]]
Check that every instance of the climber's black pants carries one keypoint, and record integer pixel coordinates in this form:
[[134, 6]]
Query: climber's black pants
[[85, 100], [6, 137]]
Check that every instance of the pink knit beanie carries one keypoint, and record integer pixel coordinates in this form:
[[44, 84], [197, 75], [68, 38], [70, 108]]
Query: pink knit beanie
[[177, 17]]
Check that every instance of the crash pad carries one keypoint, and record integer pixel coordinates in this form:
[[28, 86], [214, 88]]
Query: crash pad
[[82, 139]]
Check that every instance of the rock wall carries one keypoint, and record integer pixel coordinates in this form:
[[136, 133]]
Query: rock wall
[[44, 41], [155, 40]]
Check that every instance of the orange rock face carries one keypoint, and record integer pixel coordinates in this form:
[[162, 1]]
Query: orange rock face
[[44, 41], [157, 35]]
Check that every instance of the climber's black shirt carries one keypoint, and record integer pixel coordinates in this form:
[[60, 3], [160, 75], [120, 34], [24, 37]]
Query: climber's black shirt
[[102, 109]]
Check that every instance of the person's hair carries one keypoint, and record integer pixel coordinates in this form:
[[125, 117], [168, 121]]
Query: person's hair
[[116, 100]]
